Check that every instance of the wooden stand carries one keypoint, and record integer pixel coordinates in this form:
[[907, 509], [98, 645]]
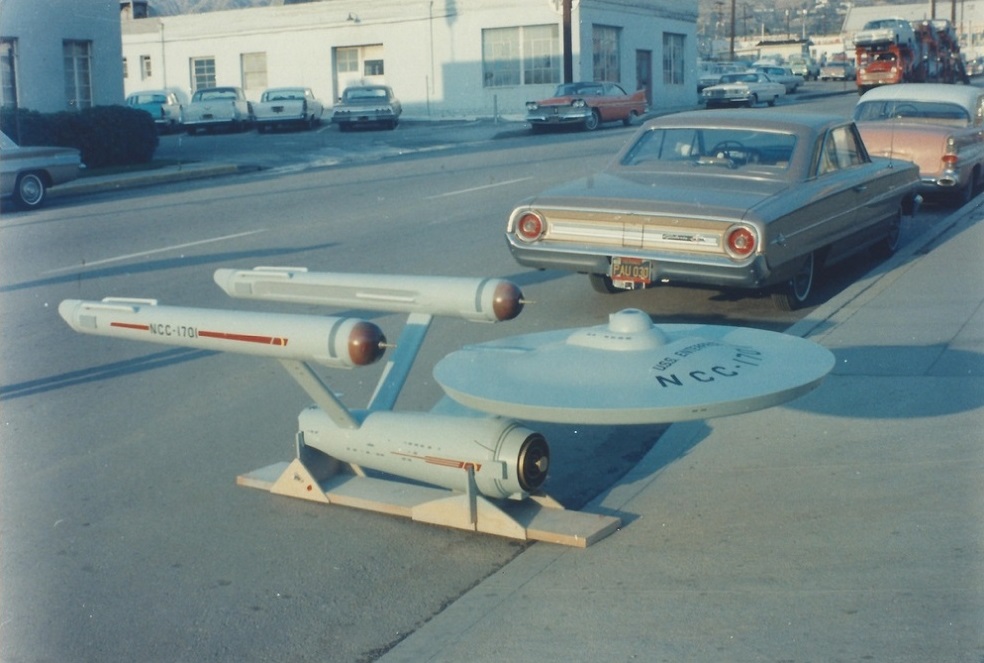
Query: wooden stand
[[317, 477]]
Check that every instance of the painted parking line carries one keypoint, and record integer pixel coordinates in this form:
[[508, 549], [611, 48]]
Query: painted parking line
[[165, 249], [477, 188]]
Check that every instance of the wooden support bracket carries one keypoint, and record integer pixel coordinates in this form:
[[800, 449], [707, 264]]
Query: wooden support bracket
[[320, 478]]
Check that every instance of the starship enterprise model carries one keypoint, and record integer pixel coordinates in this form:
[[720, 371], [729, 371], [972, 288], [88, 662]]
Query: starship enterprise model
[[477, 466]]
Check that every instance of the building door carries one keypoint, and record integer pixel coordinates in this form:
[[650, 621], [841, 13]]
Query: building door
[[644, 74]]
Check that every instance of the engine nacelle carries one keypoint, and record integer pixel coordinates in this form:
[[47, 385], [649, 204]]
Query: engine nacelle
[[507, 459], [476, 299], [331, 341]]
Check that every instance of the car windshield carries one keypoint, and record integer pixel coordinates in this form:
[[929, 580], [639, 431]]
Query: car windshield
[[740, 78], [213, 95], [284, 95], [699, 146], [365, 93], [571, 89], [150, 99], [931, 112]]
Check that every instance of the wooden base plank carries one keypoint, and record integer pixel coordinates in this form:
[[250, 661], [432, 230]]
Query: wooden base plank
[[533, 519]]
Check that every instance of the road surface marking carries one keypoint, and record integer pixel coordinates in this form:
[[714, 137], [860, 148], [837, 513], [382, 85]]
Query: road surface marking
[[165, 249], [477, 188]]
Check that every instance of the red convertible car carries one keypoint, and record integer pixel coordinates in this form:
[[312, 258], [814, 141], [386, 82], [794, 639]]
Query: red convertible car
[[586, 104]]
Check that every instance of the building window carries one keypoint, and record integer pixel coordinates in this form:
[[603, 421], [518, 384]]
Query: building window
[[672, 59], [126, 73], [254, 71], [372, 68], [8, 75], [78, 74], [541, 54], [607, 66], [527, 55], [145, 68], [500, 56], [202, 73], [346, 60]]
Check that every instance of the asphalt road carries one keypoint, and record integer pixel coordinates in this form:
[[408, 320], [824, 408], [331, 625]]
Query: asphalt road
[[123, 536]]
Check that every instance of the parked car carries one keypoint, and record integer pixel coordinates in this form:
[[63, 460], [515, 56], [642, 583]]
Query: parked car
[[939, 127], [782, 75], [26, 173], [586, 104], [163, 105], [367, 104], [805, 66], [746, 88], [213, 107], [728, 199], [708, 74], [287, 106], [837, 70]]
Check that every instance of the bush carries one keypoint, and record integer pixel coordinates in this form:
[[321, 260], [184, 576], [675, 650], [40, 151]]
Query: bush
[[106, 135]]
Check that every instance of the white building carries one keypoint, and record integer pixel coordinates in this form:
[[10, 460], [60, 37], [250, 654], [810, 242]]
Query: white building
[[58, 55], [450, 58]]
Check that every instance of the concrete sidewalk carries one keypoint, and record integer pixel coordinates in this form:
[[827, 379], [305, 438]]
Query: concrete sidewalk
[[847, 525], [120, 181]]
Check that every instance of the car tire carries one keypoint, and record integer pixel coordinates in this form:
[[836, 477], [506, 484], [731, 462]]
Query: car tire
[[593, 121], [630, 119], [30, 190], [602, 283], [772, 101], [794, 293], [752, 101], [963, 195], [886, 246]]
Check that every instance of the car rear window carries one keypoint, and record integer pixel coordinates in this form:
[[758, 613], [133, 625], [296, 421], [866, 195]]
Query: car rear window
[[901, 109], [733, 148]]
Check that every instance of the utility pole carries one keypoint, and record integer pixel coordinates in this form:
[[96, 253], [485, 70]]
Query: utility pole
[[732, 51], [568, 44]]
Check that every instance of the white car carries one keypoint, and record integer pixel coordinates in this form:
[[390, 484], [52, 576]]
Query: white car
[[782, 75], [747, 88], [212, 107], [287, 106]]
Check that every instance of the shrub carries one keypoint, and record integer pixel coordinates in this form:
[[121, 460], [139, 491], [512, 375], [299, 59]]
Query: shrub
[[106, 135]]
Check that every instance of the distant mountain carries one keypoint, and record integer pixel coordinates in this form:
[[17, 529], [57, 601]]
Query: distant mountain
[[174, 7]]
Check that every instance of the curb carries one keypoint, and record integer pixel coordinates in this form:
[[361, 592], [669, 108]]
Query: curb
[[180, 173]]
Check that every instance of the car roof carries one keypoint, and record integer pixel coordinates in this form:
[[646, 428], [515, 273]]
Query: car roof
[[761, 119], [961, 94]]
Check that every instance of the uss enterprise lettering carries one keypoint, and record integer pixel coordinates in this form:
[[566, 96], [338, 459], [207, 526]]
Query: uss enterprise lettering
[[743, 358]]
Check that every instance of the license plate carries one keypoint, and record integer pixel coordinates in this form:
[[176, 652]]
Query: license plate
[[632, 270]]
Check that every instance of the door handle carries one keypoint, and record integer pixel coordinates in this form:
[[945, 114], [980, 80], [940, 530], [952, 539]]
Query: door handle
[[861, 187]]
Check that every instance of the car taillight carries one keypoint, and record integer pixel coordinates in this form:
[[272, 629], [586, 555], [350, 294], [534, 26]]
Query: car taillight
[[950, 159], [740, 241], [529, 227]]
